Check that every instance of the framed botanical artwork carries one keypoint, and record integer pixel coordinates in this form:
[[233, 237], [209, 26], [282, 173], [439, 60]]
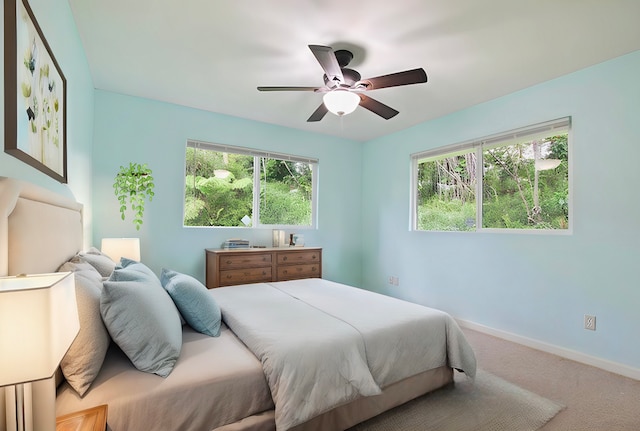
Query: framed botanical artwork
[[35, 92]]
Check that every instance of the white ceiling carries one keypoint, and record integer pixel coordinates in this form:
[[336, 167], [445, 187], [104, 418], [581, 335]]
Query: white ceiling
[[212, 54]]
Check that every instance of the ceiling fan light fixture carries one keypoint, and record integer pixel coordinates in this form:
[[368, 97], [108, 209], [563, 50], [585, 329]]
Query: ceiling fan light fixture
[[341, 102]]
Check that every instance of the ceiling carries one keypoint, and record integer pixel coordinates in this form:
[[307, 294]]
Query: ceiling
[[212, 54]]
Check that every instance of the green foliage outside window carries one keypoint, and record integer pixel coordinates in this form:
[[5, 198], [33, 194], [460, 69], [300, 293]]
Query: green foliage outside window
[[518, 192], [285, 192], [220, 187]]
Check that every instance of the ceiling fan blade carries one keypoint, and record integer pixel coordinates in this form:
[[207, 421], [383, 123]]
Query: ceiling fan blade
[[408, 77], [287, 88], [376, 107], [318, 114], [327, 59]]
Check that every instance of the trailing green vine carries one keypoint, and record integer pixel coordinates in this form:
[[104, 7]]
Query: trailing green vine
[[133, 185]]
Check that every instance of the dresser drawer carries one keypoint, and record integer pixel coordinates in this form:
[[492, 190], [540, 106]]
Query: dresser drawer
[[291, 272], [295, 257], [248, 260], [244, 276]]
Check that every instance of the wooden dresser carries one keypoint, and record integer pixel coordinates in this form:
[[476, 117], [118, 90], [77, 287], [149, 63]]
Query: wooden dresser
[[257, 265]]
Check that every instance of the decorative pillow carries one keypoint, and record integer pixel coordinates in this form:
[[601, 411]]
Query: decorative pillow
[[84, 358], [133, 269], [99, 261], [195, 304], [138, 267], [142, 320]]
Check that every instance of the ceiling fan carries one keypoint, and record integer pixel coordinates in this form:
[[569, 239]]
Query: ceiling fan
[[344, 89]]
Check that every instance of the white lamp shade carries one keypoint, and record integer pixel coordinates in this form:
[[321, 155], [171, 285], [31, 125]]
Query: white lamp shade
[[341, 102], [116, 248], [38, 323]]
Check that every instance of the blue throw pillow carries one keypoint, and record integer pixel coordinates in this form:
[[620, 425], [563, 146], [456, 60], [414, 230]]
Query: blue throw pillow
[[142, 320], [193, 300]]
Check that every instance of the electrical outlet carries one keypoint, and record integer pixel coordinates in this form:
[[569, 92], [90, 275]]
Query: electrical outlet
[[589, 322], [394, 281]]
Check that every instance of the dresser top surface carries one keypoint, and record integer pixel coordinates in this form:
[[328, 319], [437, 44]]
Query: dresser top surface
[[259, 249]]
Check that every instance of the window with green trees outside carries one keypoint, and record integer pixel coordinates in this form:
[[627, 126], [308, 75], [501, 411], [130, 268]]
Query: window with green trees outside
[[513, 180], [234, 186]]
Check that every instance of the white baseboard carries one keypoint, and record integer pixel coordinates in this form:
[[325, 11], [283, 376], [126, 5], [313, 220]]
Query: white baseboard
[[604, 364]]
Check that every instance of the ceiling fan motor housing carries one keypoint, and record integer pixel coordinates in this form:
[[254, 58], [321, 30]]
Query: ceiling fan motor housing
[[344, 57], [350, 77]]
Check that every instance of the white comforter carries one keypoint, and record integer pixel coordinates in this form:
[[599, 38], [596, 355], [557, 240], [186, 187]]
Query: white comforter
[[323, 344]]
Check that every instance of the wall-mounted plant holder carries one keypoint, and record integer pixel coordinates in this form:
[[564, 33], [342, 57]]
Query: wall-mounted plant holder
[[133, 185]]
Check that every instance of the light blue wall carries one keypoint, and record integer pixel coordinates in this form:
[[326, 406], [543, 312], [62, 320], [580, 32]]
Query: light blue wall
[[130, 129], [58, 26], [537, 286]]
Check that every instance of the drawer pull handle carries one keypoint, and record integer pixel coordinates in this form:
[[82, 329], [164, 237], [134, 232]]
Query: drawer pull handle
[[229, 262], [284, 258], [229, 277]]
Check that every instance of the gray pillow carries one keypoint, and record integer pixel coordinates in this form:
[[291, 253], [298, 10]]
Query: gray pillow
[[194, 302], [99, 261], [84, 358], [142, 319], [139, 267], [134, 270]]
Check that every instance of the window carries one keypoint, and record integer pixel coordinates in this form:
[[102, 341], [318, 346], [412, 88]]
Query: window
[[514, 180], [234, 186]]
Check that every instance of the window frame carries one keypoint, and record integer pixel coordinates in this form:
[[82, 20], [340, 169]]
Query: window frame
[[532, 132], [257, 155]]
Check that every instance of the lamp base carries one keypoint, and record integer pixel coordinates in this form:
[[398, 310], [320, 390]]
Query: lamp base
[[30, 406], [19, 409]]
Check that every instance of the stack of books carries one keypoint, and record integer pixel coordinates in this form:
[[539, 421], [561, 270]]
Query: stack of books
[[235, 243]]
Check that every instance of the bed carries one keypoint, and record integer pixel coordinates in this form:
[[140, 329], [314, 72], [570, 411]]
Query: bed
[[302, 355]]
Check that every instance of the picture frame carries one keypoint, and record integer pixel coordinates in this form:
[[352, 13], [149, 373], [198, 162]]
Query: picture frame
[[35, 94]]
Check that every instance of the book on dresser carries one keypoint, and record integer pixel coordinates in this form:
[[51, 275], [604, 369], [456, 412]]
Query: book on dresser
[[228, 267]]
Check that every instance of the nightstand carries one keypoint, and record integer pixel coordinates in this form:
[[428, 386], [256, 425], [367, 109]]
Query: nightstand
[[93, 419]]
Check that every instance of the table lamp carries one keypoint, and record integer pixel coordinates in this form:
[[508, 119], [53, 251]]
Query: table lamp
[[38, 323], [116, 248]]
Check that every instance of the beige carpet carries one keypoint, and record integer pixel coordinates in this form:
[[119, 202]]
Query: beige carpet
[[489, 403]]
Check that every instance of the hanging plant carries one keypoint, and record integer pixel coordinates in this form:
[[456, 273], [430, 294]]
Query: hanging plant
[[134, 184]]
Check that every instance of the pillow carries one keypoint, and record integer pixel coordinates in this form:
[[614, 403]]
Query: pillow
[[139, 267], [142, 320], [99, 261], [82, 362], [194, 302], [134, 270]]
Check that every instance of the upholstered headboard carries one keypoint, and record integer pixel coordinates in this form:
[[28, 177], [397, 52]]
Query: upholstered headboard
[[39, 230]]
